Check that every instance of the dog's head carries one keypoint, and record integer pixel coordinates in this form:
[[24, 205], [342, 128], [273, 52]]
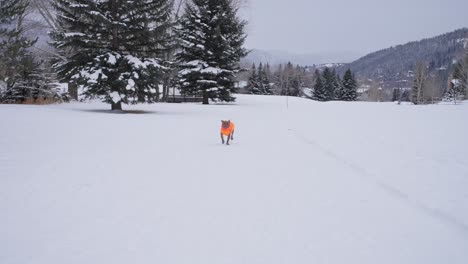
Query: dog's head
[[225, 124]]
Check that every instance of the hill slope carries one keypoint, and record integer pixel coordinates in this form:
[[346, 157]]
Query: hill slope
[[282, 57], [312, 183], [395, 62]]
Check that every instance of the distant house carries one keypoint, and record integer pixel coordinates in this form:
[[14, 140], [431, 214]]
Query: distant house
[[241, 87]]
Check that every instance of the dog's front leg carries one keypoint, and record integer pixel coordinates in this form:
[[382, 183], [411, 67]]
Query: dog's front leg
[[228, 138], [222, 138]]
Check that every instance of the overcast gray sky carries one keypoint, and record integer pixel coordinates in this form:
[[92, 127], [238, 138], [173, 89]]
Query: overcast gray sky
[[311, 26]]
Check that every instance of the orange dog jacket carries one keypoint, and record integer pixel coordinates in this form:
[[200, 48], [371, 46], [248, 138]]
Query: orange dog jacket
[[228, 131]]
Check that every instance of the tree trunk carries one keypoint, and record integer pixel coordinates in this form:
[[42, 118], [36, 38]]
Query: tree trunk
[[115, 46], [205, 98], [117, 106], [73, 90], [164, 92]]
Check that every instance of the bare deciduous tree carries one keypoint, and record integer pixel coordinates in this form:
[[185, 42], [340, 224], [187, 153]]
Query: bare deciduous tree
[[44, 8], [432, 90]]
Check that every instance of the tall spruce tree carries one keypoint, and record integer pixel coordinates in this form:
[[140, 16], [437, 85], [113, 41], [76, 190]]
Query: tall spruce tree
[[279, 80], [339, 91], [320, 93], [264, 79], [329, 83], [268, 72], [348, 89], [297, 81], [114, 48], [212, 38], [253, 86]]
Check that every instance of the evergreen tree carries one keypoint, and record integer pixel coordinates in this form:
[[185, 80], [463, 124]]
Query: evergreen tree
[[279, 80], [340, 89], [253, 87], [348, 89], [212, 37], [297, 81], [320, 93], [329, 84], [453, 91], [114, 48], [336, 83], [268, 72], [264, 80]]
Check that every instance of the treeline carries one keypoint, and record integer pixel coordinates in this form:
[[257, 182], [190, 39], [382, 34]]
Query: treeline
[[125, 52], [319, 84]]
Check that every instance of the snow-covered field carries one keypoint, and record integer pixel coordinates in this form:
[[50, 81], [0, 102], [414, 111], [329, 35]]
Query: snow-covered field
[[312, 183]]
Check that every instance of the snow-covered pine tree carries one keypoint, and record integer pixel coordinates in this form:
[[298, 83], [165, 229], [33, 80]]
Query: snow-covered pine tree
[[212, 37], [336, 84], [329, 83], [339, 89], [264, 80], [298, 81], [253, 86], [320, 93], [268, 72], [348, 89], [114, 48], [279, 79]]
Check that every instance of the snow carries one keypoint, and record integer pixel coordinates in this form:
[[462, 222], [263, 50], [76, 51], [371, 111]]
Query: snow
[[213, 70], [308, 92], [61, 87], [308, 183], [130, 84], [74, 34], [3, 85], [143, 63], [112, 58], [456, 82], [92, 75], [115, 97], [242, 84], [196, 63]]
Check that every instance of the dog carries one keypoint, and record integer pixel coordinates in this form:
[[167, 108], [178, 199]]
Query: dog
[[227, 129]]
